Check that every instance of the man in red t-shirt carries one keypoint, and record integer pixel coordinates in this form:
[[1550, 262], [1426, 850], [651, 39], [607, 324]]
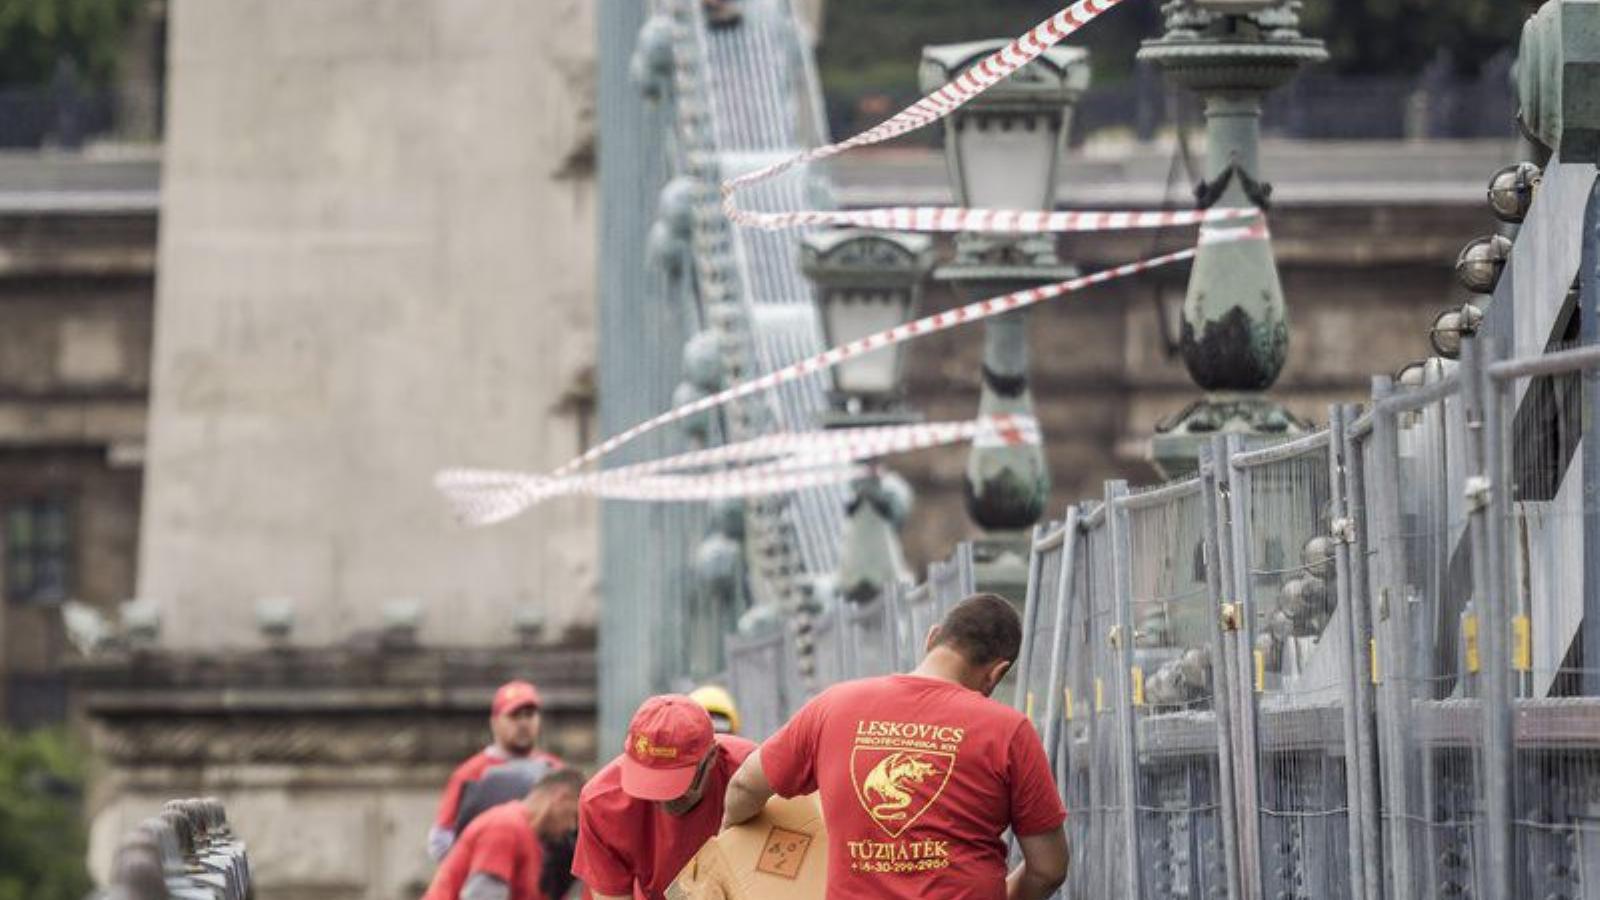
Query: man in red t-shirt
[[514, 722], [499, 856], [922, 774], [647, 813]]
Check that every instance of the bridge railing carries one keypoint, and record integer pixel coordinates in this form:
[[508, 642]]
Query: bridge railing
[[187, 852], [1346, 664]]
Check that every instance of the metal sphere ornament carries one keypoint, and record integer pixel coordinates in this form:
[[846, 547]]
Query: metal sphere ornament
[[1279, 626], [1304, 595], [665, 250], [727, 517], [696, 427], [1317, 555], [702, 361], [1451, 327], [675, 205], [1479, 266], [1413, 376], [1511, 191], [1194, 667], [718, 560]]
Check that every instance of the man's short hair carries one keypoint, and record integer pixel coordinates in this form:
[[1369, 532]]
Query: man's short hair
[[565, 778], [983, 628]]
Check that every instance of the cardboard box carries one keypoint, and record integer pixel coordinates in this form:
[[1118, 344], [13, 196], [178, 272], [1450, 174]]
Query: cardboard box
[[781, 854]]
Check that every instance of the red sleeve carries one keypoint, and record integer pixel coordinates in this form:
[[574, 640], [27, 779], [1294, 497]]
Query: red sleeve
[[1035, 802], [595, 862], [450, 801], [494, 853], [789, 758]]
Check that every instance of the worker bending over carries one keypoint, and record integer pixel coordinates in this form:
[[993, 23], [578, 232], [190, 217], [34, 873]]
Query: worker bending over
[[514, 724], [922, 774], [500, 855], [646, 814]]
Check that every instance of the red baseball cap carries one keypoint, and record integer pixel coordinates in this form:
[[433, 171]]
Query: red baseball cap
[[667, 739], [514, 695]]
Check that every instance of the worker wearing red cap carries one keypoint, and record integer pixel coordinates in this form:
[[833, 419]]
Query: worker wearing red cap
[[514, 723], [646, 814]]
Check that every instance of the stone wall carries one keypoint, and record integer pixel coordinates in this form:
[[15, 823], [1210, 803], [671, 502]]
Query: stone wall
[[330, 761], [376, 261]]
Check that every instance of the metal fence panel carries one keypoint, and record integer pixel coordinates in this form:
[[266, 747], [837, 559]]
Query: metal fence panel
[[1039, 620], [910, 615], [1171, 612], [1426, 621], [1294, 769], [1075, 752], [866, 638], [755, 667], [1542, 712], [1107, 804], [953, 580], [827, 642]]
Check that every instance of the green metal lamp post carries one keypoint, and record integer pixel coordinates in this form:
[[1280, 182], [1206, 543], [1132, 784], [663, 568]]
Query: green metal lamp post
[[1004, 151], [866, 282], [1235, 331]]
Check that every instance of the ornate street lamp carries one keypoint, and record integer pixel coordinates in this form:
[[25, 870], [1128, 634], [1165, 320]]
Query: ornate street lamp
[[1003, 150], [1235, 330], [866, 282]]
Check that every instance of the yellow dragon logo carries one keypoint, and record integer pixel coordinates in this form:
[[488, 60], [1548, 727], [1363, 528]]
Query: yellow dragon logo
[[890, 781]]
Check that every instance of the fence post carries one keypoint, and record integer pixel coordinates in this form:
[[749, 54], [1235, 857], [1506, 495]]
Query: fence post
[[1248, 758], [1488, 495], [1219, 581], [1392, 653], [1030, 610], [1058, 640], [1341, 527], [1589, 323], [1122, 586], [1353, 548]]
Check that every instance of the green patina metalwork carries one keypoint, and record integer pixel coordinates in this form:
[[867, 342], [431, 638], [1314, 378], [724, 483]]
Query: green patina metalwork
[[1558, 78], [1235, 328]]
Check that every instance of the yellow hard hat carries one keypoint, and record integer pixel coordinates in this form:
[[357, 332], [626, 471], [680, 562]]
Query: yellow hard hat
[[719, 703]]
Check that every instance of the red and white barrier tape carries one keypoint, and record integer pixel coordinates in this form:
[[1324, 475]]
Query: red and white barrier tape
[[484, 496], [935, 106], [972, 312], [992, 221]]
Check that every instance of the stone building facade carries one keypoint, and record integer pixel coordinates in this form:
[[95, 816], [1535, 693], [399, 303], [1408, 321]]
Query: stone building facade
[[375, 261], [77, 270]]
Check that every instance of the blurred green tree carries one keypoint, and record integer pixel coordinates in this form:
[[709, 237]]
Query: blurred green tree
[[42, 840], [875, 44], [36, 36]]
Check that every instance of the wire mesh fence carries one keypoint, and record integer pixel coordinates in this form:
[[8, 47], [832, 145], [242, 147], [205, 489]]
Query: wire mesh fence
[[1170, 607], [1543, 728], [866, 638], [1294, 778], [757, 667], [1351, 664], [1036, 680]]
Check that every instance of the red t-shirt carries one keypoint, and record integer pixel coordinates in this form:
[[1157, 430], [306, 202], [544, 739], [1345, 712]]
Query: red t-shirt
[[500, 842], [920, 778], [472, 770], [631, 847]]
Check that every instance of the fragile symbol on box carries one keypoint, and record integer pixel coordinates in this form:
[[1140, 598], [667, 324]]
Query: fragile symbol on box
[[783, 853]]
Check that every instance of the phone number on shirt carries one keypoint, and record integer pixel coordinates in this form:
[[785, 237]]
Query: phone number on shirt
[[902, 866]]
